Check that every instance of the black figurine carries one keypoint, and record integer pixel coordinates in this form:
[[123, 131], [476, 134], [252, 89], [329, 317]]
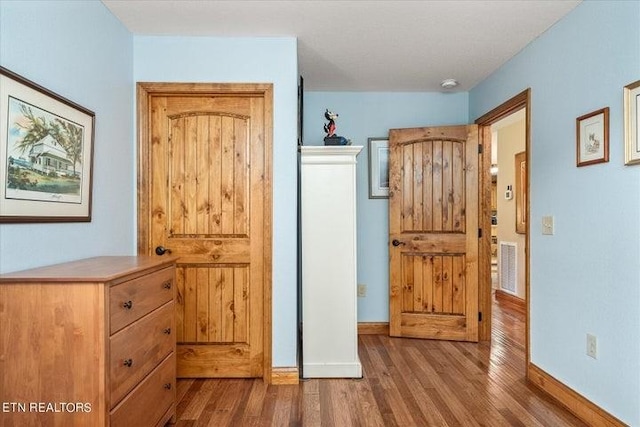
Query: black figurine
[[330, 130]]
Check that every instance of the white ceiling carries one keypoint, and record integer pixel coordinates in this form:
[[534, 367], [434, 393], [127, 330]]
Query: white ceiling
[[363, 45]]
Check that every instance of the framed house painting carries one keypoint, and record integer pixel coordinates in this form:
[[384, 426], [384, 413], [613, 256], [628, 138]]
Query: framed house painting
[[46, 147]]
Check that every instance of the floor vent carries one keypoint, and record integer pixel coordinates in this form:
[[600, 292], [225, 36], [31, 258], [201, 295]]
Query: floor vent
[[508, 273]]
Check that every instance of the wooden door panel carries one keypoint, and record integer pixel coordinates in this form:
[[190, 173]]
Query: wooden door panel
[[209, 173], [433, 186], [209, 204], [433, 239], [212, 304], [433, 326], [433, 283], [234, 105], [211, 361], [217, 249]]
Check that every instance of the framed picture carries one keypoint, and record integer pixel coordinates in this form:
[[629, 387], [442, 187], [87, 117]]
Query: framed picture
[[592, 138], [300, 111], [521, 192], [378, 168], [631, 122], [46, 150]]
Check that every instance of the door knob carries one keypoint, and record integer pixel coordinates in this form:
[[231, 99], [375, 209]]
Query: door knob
[[397, 242], [160, 250]]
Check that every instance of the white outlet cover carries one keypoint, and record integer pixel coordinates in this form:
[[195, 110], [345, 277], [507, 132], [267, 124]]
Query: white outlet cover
[[592, 346], [547, 225]]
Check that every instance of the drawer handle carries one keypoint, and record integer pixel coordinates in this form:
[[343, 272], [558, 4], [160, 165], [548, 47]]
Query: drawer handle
[[167, 331], [167, 284], [127, 304], [128, 362], [167, 386]]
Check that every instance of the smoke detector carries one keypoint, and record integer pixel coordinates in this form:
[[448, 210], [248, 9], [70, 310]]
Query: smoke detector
[[449, 83]]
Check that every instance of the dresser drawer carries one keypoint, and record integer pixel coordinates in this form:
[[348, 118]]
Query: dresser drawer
[[131, 300], [138, 348], [148, 402]]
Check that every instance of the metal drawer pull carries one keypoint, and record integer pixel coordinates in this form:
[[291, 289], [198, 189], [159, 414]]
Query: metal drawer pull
[[167, 331], [128, 362], [167, 386], [127, 305], [167, 284]]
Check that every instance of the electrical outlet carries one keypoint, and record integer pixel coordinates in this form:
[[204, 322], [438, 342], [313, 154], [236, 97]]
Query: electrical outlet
[[592, 346], [362, 290]]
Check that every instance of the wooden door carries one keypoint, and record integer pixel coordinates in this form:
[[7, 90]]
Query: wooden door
[[209, 205], [433, 232]]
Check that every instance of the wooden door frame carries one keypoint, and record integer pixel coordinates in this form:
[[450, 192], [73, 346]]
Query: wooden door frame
[[518, 102], [145, 90]]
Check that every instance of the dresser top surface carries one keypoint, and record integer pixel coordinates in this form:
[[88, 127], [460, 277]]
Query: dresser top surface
[[98, 269]]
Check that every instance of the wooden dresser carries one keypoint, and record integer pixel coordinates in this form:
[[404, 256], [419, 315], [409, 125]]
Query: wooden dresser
[[89, 343]]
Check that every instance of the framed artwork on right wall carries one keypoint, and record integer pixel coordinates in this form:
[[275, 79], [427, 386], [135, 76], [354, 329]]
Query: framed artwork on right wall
[[592, 138], [631, 122]]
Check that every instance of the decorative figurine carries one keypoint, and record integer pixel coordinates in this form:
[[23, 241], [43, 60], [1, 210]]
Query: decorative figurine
[[330, 130]]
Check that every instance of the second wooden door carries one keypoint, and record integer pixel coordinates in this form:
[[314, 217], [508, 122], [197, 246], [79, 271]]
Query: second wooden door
[[433, 232]]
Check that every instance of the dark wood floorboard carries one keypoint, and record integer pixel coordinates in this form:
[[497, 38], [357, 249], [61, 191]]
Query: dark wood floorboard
[[407, 382]]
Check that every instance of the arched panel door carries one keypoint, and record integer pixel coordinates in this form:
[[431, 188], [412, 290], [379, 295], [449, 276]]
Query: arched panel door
[[433, 232]]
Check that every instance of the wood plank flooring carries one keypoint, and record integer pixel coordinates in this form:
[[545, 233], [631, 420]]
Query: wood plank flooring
[[407, 382]]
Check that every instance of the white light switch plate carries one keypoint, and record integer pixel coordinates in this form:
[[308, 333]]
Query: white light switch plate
[[547, 225], [592, 346]]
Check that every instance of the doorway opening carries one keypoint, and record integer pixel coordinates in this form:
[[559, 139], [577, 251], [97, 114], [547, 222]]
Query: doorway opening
[[512, 119], [508, 231]]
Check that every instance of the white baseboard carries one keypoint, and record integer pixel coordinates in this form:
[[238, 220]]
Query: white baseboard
[[332, 370]]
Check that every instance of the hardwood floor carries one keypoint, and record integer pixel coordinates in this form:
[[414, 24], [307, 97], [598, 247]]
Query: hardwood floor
[[407, 382]]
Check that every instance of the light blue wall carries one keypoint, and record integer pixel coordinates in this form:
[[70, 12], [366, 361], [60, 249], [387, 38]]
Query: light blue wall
[[80, 51], [248, 60], [364, 115], [585, 278]]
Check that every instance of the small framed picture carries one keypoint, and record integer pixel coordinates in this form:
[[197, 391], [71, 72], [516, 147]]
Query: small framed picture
[[46, 152], [592, 138], [632, 123], [521, 192], [378, 168]]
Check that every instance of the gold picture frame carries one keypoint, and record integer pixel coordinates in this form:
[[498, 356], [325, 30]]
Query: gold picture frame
[[521, 192], [631, 111]]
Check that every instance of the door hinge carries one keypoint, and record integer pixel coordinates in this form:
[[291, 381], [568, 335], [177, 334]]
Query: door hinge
[[480, 149], [479, 316], [479, 233]]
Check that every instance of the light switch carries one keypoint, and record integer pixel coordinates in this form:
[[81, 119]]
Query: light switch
[[547, 225]]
